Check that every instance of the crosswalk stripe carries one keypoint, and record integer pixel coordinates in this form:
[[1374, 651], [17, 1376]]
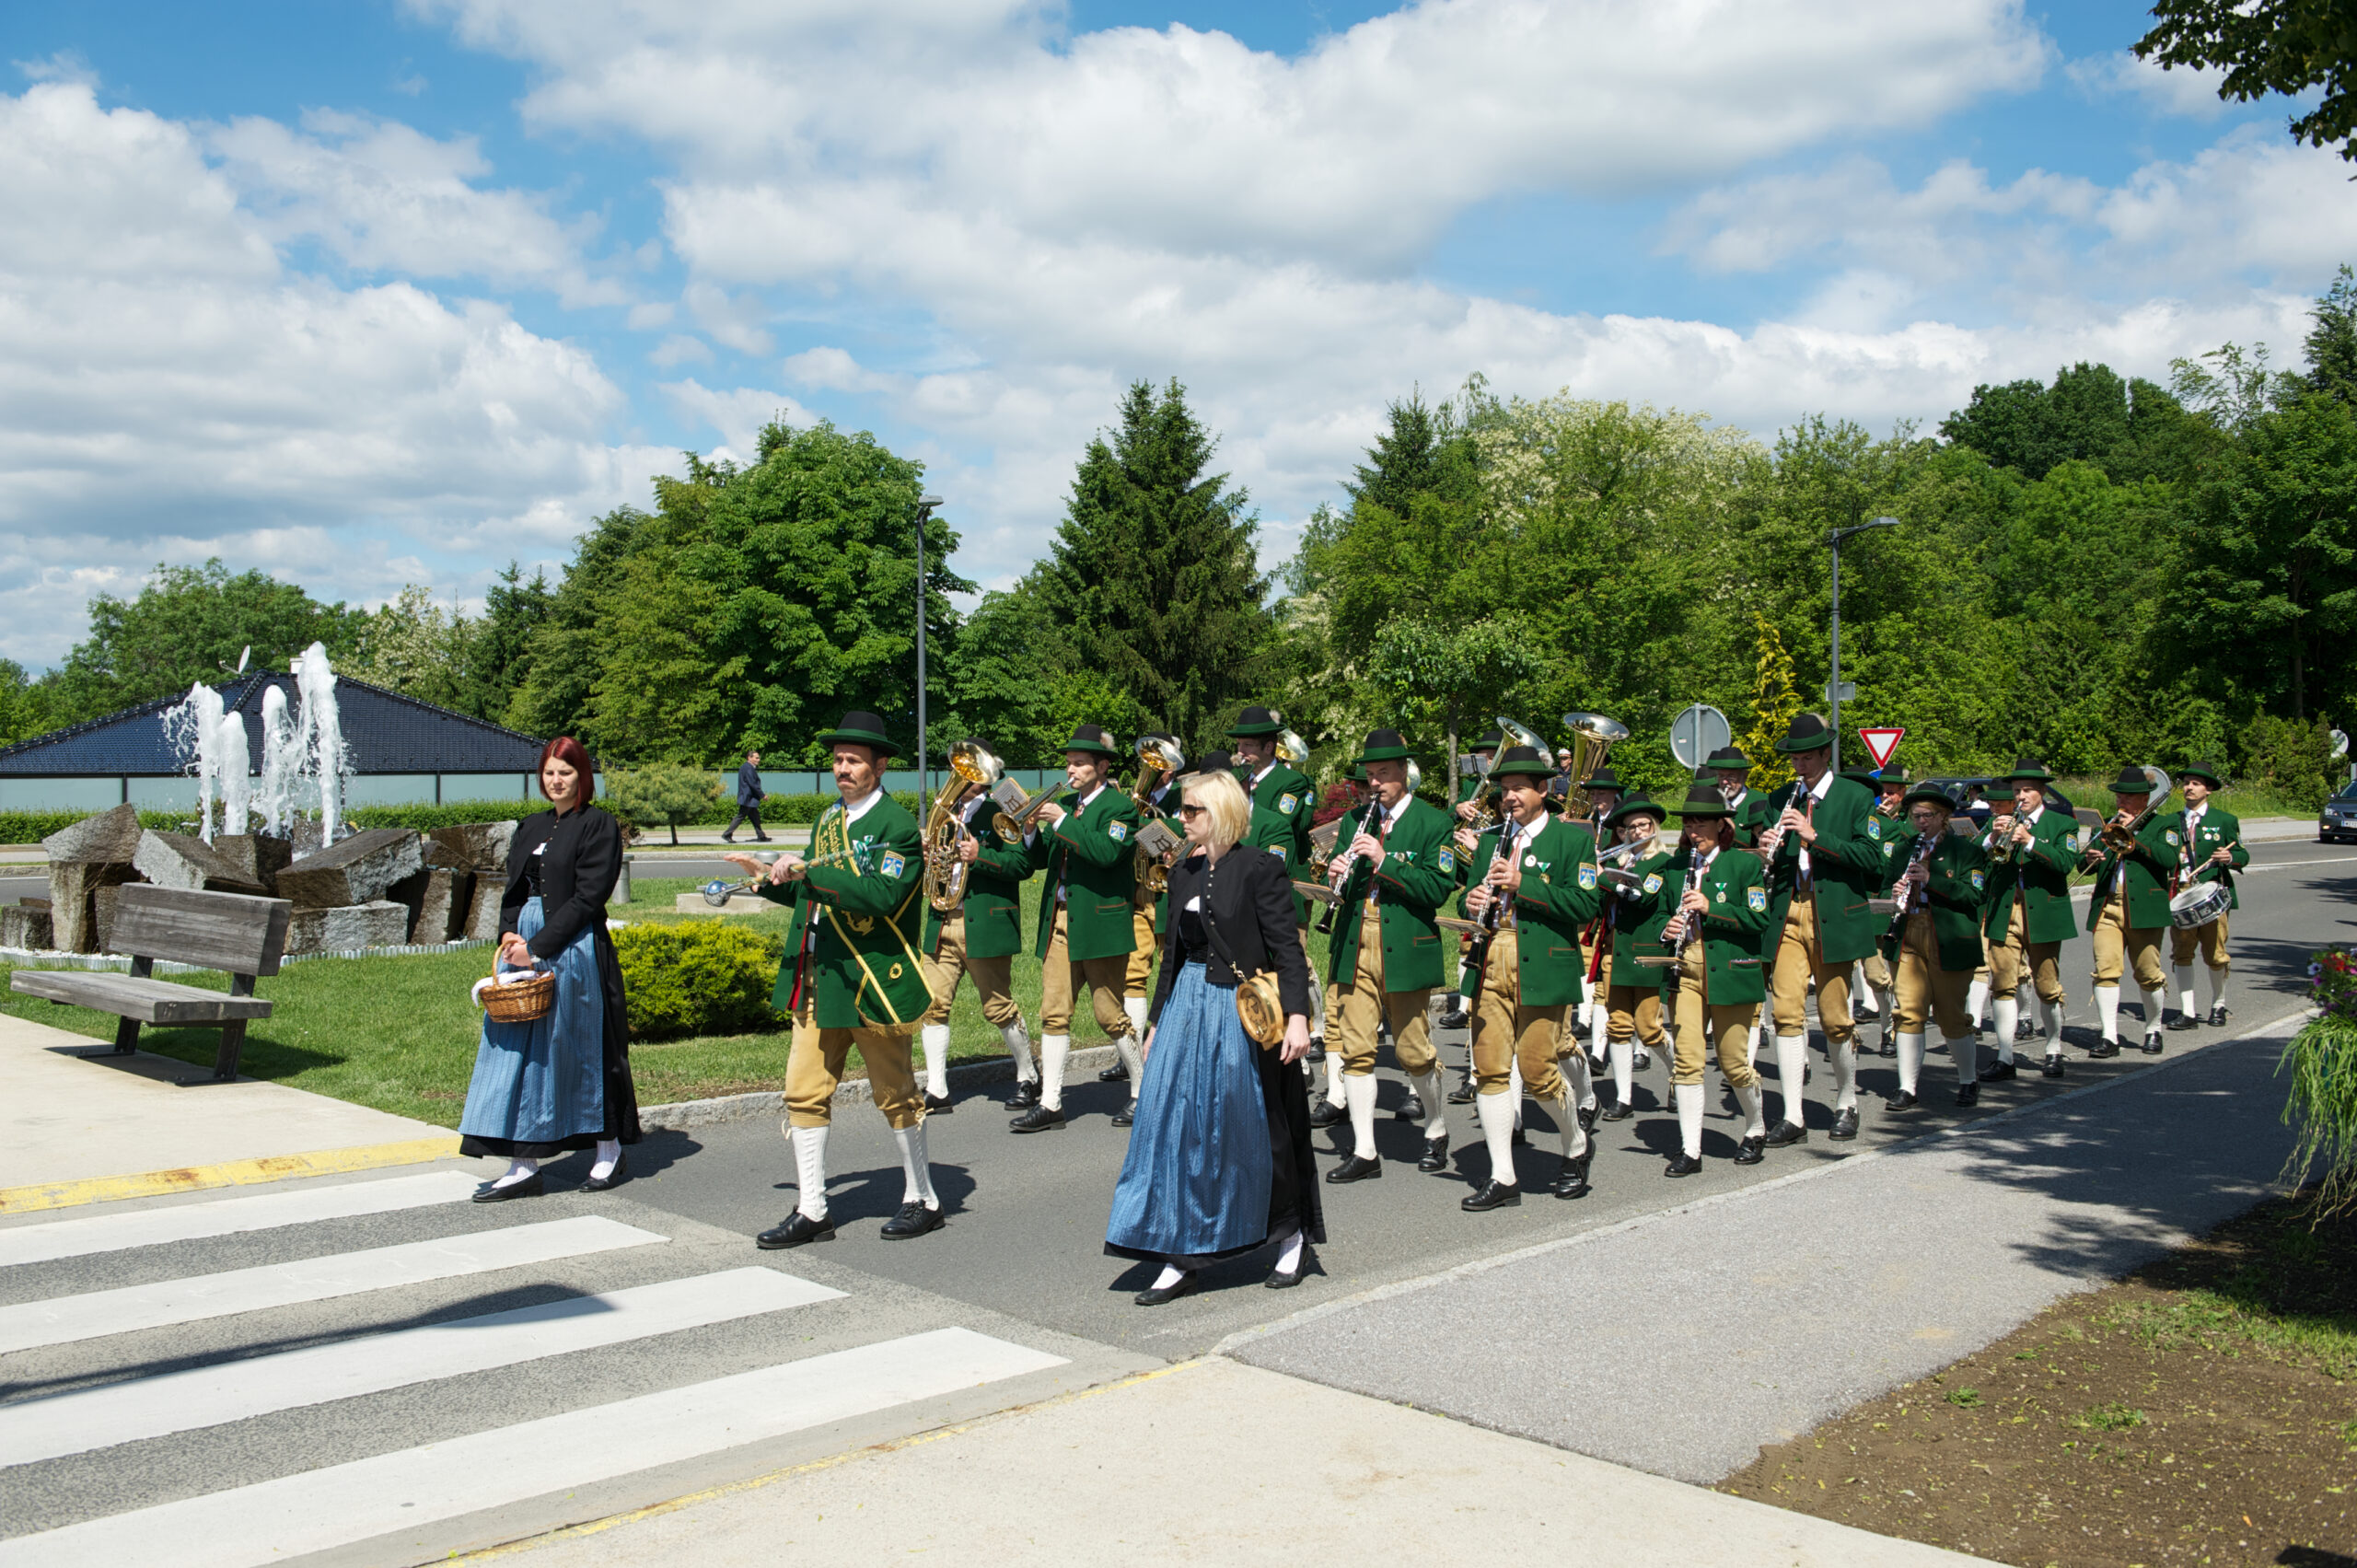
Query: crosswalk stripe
[[67, 1318], [274, 1520], [228, 1216], [209, 1396]]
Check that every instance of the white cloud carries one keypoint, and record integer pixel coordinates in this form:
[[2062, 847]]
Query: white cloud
[[738, 415], [678, 348], [2186, 90]]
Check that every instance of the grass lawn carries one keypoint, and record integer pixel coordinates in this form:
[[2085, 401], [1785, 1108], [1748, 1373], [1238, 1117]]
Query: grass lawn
[[400, 1033]]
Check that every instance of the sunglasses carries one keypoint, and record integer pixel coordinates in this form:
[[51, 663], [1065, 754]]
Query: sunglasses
[[1191, 810]]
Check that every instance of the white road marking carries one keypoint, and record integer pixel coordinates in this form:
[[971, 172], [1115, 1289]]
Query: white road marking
[[209, 1396], [67, 1318], [228, 1216], [274, 1520]]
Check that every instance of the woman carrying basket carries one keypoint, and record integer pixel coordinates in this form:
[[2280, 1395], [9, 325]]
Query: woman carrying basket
[[560, 1080]]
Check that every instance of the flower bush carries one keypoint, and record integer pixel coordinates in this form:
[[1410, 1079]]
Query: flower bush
[[2322, 1104]]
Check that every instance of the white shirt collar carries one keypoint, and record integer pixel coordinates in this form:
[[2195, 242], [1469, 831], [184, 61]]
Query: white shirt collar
[[1255, 780], [854, 810], [1090, 795], [1825, 781], [2193, 811]]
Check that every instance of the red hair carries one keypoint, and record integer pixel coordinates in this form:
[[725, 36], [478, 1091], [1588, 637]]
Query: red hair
[[569, 751]]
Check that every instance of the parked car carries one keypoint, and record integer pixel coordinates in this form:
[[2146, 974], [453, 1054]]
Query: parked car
[[2338, 820], [1970, 795]]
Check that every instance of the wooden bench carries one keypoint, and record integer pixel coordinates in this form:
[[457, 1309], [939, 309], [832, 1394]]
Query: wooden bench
[[244, 937]]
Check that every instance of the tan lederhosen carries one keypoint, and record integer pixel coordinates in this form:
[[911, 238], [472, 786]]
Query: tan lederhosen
[[814, 1067], [1701, 1025], [2120, 946], [1925, 989], [1799, 960], [1062, 978], [1356, 1009], [1877, 970], [1137, 980], [1504, 1031], [2210, 941], [2008, 959], [993, 978]]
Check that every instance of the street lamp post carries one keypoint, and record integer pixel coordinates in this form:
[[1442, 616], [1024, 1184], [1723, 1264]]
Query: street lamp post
[[925, 503], [1833, 687]]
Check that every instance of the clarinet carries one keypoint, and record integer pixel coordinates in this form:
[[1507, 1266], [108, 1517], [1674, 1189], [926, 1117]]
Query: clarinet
[[1349, 863], [1924, 845], [1479, 959]]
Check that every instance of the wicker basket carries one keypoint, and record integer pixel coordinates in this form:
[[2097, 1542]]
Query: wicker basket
[[523, 1002]]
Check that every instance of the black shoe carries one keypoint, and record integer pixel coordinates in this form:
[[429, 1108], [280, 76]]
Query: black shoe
[[1751, 1150], [1279, 1280], [2103, 1049], [1587, 1115], [1039, 1119], [1640, 1060], [1117, 1074], [1496, 1195], [1127, 1116], [761, 837], [2053, 1068], [2185, 1021], [1453, 1019], [1684, 1164], [1316, 1056], [798, 1228], [1521, 1139], [2024, 1031], [913, 1220], [491, 1192], [1461, 1095], [727, 840], [1968, 1093], [939, 1105], [1619, 1110], [1355, 1169], [2218, 1016], [1435, 1154], [1183, 1285], [1025, 1095], [1573, 1182], [1326, 1114], [620, 1174], [2151, 1043], [1997, 1072], [1409, 1109], [1598, 1065], [1785, 1135], [1845, 1125], [1890, 1046], [1903, 1101]]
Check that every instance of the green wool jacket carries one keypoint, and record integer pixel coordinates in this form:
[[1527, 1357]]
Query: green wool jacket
[[2141, 876], [1750, 817], [861, 966], [1897, 843], [1738, 917], [2040, 874], [1953, 895], [1282, 805], [1844, 862], [2219, 830], [994, 906], [1090, 856], [1418, 874], [1636, 924], [1559, 895]]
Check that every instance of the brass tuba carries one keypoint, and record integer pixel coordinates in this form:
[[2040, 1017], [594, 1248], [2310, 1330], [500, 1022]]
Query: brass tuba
[[970, 763], [1510, 732], [1292, 750], [1160, 759], [1593, 736]]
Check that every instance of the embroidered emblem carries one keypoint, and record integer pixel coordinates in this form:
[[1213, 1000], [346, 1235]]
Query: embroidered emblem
[[1873, 829], [1977, 879], [1722, 895], [1286, 803], [1757, 899], [1653, 883], [892, 865], [2078, 842], [1118, 830], [1587, 878], [862, 923], [1448, 861], [2170, 835], [1277, 850]]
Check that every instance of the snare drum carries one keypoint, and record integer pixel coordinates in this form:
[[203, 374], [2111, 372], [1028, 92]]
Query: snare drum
[[2199, 905]]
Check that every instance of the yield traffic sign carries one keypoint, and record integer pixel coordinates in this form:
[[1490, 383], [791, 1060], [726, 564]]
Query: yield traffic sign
[[1881, 743]]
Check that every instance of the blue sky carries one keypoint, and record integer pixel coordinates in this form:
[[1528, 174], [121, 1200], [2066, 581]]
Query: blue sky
[[384, 293]]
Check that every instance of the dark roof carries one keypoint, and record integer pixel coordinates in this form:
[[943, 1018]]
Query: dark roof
[[384, 732]]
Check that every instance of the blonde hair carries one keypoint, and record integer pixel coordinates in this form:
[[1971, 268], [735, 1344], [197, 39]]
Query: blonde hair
[[1224, 798]]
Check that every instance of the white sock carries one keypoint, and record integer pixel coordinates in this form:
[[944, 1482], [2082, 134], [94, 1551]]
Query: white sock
[[1755, 1114], [1843, 1055], [810, 1171], [1136, 1007], [1127, 1048], [1289, 1261], [2108, 1011], [1334, 1095], [1792, 1068], [1435, 1109], [1513, 1090], [2217, 987], [2023, 995], [1600, 1029], [1976, 1001], [1910, 1061], [1861, 987], [1581, 1078], [2050, 1018], [609, 1154], [1054, 1051], [915, 1167], [1690, 1119], [1496, 1114], [1018, 1045], [2004, 1012], [1751, 1045], [519, 1169], [1171, 1274], [1360, 1093], [2156, 1004], [933, 1041], [2185, 990], [1573, 1135], [1966, 1053], [1624, 1067], [1317, 1008]]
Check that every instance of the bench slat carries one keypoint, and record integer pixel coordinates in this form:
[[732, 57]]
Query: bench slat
[[233, 932], [131, 996]]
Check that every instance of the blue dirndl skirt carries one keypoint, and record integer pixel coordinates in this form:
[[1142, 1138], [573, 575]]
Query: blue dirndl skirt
[[543, 1083], [1195, 1183]]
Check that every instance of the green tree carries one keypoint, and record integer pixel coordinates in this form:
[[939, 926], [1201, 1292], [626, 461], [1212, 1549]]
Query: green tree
[[496, 659], [661, 794], [413, 646], [1775, 702], [1453, 674], [2332, 338], [1152, 576], [2265, 47], [2132, 429], [24, 704]]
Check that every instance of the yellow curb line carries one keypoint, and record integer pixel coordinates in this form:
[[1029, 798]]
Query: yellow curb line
[[234, 1173], [656, 1510]]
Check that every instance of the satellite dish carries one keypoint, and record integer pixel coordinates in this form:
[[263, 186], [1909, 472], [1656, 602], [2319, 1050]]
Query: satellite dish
[[245, 654], [1697, 732]]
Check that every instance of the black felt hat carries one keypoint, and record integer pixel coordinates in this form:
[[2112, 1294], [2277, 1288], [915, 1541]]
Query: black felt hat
[[1521, 760], [1384, 745], [2208, 773], [1703, 800], [1634, 805], [1728, 756], [1491, 741], [1932, 793], [1809, 732], [859, 729], [1089, 737], [1253, 723], [2026, 770], [2132, 780], [1603, 779], [1215, 762]]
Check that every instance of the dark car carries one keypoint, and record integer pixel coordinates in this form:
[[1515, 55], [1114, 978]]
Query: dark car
[[2338, 820], [1970, 795]]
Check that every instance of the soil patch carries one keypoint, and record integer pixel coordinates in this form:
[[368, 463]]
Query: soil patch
[[2200, 1411]]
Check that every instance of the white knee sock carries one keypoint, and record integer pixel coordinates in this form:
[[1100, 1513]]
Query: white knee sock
[[1171, 1274], [1861, 987], [1976, 1001], [1966, 1053], [1136, 1007], [1513, 1090], [1792, 1067], [1600, 1029], [1316, 1008], [519, 1169], [1289, 1259], [1127, 1048], [2156, 1004], [1581, 1077], [1054, 1051], [1843, 1055], [2217, 987], [1334, 1079], [933, 1041], [1574, 1136], [1018, 1045], [1624, 1067], [1751, 1046], [2004, 1012], [810, 1171], [2108, 1011], [1496, 1114], [1910, 1061], [1360, 1093], [2050, 1018], [2023, 996], [609, 1154], [1690, 1119], [2185, 990], [915, 1168], [1427, 1087], [1755, 1114]]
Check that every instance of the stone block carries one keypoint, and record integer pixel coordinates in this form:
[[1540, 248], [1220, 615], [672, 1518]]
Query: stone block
[[23, 927], [72, 885], [102, 901], [361, 869], [185, 861], [482, 913], [110, 837], [258, 857], [440, 908], [379, 923], [303, 835], [471, 846]]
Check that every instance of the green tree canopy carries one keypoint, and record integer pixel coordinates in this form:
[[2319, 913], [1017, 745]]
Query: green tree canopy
[[2264, 47], [2130, 429]]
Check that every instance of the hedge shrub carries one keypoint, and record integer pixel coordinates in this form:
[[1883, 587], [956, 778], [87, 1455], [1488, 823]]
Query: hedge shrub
[[697, 978], [31, 827]]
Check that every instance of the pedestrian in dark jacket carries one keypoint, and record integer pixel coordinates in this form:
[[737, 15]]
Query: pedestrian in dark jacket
[[749, 795]]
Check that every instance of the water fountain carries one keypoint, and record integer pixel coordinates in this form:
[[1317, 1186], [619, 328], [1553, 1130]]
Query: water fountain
[[195, 728], [233, 759], [282, 760], [322, 728]]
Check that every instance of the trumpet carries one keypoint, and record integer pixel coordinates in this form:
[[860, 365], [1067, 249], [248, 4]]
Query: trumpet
[[2119, 832], [1158, 759], [1018, 809], [970, 763]]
